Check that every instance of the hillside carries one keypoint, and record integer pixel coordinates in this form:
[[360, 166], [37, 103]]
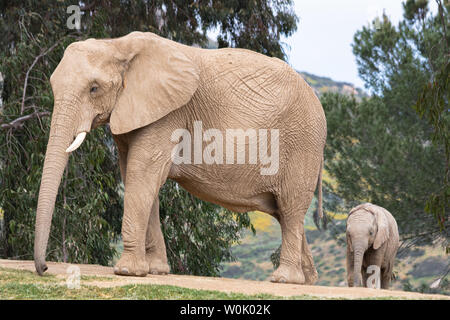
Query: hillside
[[324, 84]]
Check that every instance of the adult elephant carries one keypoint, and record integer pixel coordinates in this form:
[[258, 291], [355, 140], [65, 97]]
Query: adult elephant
[[148, 88]]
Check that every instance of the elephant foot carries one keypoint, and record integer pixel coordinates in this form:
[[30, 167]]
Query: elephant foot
[[288, 274], [156, 265], [311, 275], [308, 268], [130, 265]]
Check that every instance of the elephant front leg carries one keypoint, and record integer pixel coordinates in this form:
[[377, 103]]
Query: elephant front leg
[[350, 269], [143, 179], [134, 227], [155, 248], [364, 277]]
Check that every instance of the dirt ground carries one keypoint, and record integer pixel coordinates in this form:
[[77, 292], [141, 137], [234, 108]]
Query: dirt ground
[[218, 284]]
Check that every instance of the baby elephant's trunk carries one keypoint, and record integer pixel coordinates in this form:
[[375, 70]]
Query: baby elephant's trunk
[[358, 256]]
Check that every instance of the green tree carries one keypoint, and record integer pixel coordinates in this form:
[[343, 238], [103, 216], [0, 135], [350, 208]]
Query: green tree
[[88, 209], [432, 104], [384, 154]]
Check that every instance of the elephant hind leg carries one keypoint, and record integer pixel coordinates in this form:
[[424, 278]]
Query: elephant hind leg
[[294, 248], [309, 270]]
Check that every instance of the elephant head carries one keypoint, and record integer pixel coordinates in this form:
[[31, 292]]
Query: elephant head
[[129, 82], [367, 226]]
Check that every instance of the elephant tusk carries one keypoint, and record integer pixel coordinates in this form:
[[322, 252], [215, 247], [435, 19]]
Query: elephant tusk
[[77, 142]]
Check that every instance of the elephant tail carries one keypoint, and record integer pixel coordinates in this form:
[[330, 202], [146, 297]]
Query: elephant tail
[[319, 186], [318, 215]]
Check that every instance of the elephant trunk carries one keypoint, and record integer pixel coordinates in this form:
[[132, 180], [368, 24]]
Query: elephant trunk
[[357, 264], [56, 157]]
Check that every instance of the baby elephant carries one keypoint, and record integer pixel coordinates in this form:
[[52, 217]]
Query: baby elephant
[[372, 243]]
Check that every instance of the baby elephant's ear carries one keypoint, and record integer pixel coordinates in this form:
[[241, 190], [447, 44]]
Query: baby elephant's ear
[[158, 78], [383, 227]]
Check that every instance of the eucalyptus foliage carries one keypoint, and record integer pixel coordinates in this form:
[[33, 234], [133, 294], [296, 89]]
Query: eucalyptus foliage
[[198, 234]]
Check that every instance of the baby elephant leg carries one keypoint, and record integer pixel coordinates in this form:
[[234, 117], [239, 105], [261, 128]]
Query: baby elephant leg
[[386, 276]]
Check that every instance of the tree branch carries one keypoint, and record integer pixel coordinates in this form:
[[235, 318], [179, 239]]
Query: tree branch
[[18, 123], [43, 53]]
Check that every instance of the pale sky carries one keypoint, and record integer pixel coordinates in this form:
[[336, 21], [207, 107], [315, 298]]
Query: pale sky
[[322, 43]]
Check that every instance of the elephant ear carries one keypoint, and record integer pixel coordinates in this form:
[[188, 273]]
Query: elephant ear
[[157, 78], [382, 224]]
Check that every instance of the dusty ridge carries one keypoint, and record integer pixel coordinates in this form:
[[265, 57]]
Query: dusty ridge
[[217, 284]]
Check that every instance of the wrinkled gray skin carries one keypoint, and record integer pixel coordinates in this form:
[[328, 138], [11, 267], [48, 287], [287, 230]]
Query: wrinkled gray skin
[[147, 87], [372, 239]]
